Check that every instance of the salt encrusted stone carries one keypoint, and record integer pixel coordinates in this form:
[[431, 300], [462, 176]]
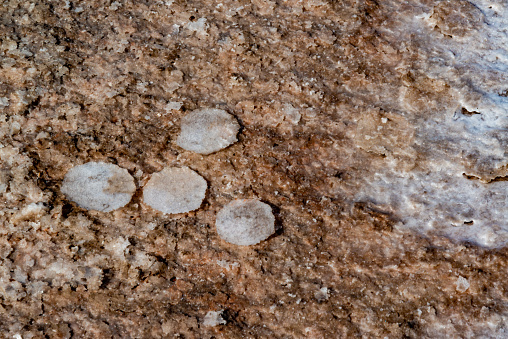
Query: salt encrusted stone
[[175, 190], [213, 319], [245, 222], [462, 284], [99, 186], [207, 130]]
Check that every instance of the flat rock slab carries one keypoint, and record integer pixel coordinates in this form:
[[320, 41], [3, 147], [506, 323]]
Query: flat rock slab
[[375, 130]]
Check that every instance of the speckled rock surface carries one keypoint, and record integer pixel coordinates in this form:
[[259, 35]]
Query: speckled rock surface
[[376, 131]]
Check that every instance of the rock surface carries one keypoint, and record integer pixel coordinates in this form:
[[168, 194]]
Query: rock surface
[[375, 129]]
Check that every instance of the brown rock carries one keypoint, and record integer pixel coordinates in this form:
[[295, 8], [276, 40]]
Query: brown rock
[[358, 120]]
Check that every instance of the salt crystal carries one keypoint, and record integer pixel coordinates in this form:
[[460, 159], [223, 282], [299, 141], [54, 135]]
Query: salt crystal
[[4, 102], [99, 186], [213, 319], [207, 130], [291, 114], [199, 26], [175, 190], [173, 105], [462, 284], [321, 294], [245, 222]]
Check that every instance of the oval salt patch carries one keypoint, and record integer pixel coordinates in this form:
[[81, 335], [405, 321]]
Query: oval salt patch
[[207, 130], [175, 190], [245, 222], [99, 186]]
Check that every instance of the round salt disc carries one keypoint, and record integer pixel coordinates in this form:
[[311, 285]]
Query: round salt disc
[[175, 190], [99, 186], [245, 222], [207, 130]]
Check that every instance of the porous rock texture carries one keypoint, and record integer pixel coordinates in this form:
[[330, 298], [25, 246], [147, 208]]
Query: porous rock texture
[[375, 129]]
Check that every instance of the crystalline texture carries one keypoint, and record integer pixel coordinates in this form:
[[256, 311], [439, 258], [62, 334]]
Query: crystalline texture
[[175, 190], [99, 186], [213, 319], [245, 222], [207, 131]]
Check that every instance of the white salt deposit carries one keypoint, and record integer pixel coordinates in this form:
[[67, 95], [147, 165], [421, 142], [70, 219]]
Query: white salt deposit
[[207, 131], [245, 222], [213, 318], [175, 190], [99, 186], [322, 294], [462, 284], [452, 190]]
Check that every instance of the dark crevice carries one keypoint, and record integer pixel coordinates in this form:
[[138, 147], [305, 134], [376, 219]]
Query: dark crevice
[[469, 113], [470, 177], [496, 179], [67, 210], [106, 278], [503, 178]]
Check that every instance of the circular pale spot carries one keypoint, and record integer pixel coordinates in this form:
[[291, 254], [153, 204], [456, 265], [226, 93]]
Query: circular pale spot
[[99, 186], [245, 222], [175, 190], [207, 131]]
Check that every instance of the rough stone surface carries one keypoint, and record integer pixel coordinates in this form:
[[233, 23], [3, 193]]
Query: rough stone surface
[[207, 130], [99, 186], [175, 190], [245, 222], [375, 129]]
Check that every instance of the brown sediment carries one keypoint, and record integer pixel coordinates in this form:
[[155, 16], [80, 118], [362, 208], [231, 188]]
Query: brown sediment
[[95, 81]]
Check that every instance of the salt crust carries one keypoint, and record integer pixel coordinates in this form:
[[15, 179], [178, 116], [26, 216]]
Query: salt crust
[[175, 190], [213, 319], [98, 186], [462, 284], [207, 131], [459, 192], [245, 222]]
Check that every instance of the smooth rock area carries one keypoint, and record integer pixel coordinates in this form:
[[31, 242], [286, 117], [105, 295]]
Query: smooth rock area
[[207, 130], [98, 186], [175, 190], [245, 222]]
